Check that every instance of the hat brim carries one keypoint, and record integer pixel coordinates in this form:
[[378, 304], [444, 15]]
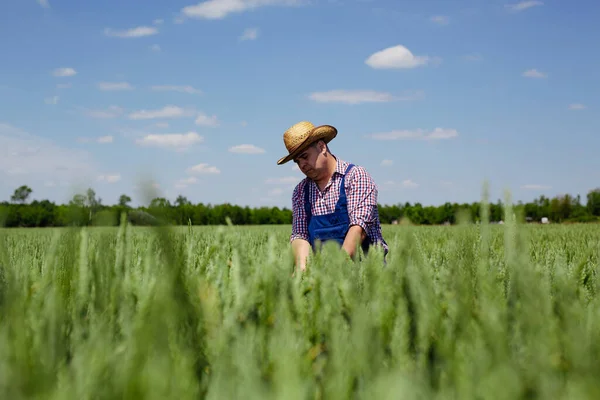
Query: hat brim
[[323, 132]]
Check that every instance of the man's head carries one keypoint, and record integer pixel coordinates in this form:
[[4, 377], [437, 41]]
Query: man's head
[[299, 137], [316, 161]]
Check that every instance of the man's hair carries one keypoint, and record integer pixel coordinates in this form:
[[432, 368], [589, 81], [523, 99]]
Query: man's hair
[[316, 145]]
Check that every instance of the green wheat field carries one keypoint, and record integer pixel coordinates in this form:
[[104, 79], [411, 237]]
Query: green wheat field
[[473, 311]]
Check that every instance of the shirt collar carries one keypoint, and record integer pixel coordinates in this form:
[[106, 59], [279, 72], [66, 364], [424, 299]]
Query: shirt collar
[[341, 166]]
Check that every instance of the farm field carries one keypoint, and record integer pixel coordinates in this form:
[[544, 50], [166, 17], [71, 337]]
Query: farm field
[[458, 312]]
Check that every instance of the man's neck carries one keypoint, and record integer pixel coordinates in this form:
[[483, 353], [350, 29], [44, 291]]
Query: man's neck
[[322, 182]]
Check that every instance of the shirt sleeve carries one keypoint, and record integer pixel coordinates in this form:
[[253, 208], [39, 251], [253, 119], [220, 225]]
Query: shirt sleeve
[[299, 223], [362, 193]]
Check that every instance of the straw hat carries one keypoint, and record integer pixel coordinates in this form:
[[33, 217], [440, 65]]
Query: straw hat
[[301, 135]]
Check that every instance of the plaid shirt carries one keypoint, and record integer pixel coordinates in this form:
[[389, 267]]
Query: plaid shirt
[[361, 193]]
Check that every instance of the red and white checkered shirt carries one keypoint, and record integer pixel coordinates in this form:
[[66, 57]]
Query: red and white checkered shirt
[[361, 192]]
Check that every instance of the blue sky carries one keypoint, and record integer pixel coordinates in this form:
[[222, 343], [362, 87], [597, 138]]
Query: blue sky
[[432, 97]]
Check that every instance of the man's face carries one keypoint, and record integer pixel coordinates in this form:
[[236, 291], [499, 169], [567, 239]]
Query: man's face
[[312, 161]]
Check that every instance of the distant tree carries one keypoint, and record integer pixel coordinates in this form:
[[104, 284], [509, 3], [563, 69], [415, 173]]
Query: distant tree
[[21, 194], [160, 202], [124, 200], [78, 200], [593, 202], [182, 201], [92, 201]]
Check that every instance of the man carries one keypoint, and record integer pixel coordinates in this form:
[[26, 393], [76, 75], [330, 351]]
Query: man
[[336, 201]]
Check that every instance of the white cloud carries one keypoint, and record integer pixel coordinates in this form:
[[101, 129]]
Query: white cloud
[[63, 85], [536, 187], [106, 86], [440, 19], [185, 182], [155, 47], [387, 163], [286, 180], [351, 97], [205, 120], [163, 125], [52, 100], [361, 96], [577, 106], [524, 5], [246, 149], [63, 72], [396, 57], [158, 21], [407, 183], [140, 31], [178, 141], [174, 88], [218, 9], [534, 73], [418, 134], [100, 140], [110, 178], [275, 192], [203, 169], [105, 139], [165, 112], [249, 34], [111, 112], [39, 159], [44, 3]]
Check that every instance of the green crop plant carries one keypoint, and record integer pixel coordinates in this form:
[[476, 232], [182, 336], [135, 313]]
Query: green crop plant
[[469, 311]]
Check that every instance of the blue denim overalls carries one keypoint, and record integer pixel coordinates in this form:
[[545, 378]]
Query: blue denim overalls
[[333, 226]]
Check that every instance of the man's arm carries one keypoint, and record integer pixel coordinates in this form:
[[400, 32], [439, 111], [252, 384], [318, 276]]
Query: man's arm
[[355, 236], [301, 249], [362, 203], [299, 236]]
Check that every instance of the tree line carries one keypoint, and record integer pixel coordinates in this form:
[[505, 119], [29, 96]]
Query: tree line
[[87, 210]]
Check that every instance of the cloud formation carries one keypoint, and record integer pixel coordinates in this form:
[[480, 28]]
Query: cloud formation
[[174, 88], [111, 178], [64, 72], [137, 32], [219, 9], [39, 159], [418, 134], [536, 187], [112, 86], [177, 141], [361, 96], [165, 112], [524, 5], [203, 169], [246, 149], [249, 34], [440, 19], [205, 120], [534, 73], [396, 57]]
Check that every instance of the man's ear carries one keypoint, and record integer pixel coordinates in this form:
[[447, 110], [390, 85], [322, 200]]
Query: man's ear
[[322, 147]]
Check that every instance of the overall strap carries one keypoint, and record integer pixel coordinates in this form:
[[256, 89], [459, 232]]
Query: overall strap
[[307, 201]]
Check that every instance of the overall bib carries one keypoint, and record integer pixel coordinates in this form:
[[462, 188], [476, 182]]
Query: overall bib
[[333, 226]]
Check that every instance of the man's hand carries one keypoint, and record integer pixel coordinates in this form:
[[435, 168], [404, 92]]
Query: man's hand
[[301, 249], [355, 236]]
